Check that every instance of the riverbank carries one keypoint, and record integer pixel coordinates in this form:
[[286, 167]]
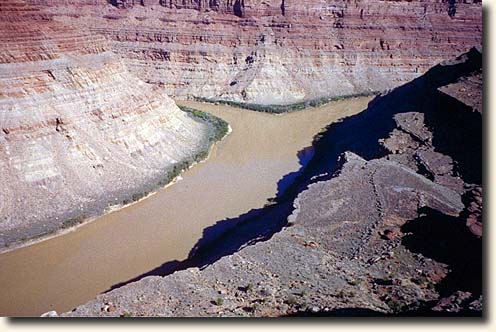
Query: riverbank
[[243, 172], [219, 129], [278, 109], [371, 227]]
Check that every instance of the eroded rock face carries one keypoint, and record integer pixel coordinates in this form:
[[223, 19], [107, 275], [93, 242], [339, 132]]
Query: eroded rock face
[[468, 90], [386, 235], [78, 131], [277, 52]]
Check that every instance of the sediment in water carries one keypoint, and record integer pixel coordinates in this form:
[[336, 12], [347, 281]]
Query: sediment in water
[[381, 236], [241, 174]]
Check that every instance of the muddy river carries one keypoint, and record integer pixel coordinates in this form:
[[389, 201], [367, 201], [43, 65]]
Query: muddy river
[[241, 174]]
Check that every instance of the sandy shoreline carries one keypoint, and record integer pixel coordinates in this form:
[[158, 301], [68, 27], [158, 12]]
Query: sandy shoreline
[[110, 209]]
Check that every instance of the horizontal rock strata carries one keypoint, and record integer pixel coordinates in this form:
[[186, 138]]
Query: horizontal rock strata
[[382, 236], [78, 132], [277, 52]]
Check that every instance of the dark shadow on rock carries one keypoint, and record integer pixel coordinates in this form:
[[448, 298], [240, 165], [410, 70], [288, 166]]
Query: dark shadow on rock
[[344, 312], [446, 239], [460, 137], [358, 133], [363, 312]]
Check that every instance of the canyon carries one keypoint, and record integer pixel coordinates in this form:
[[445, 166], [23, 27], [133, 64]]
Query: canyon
[[79, 132], [366, 219], [395, 229], [241, 173], [277, 52], [87, 124]]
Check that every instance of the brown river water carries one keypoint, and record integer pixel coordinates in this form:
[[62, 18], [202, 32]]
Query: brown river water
[[241, 174]]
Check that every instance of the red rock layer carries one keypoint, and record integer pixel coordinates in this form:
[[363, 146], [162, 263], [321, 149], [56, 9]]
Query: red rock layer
[[278, 51], [78, 132]]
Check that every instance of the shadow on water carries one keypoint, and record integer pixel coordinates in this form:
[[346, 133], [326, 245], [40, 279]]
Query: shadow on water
[[359, 134]]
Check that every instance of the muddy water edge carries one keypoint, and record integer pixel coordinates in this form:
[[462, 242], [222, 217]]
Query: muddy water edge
[[241, 174]]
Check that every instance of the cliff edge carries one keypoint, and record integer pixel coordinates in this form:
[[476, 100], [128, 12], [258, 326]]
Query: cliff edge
[[396, 230], [78, 132]]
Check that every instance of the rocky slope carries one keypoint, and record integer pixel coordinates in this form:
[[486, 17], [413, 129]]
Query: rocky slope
[[385, 234], [277, 52], [78, 131]]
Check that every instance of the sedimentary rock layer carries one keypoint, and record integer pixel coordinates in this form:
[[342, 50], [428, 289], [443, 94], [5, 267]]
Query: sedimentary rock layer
[[78, 131], [386, 235], [277, 52]]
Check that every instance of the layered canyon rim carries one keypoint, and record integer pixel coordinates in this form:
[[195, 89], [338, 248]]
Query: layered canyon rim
[[76, 110], [79, 132], [277, 52], [88, 123]]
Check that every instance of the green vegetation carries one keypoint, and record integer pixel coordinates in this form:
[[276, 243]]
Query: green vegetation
[[219, 126], [344, 294], [285, 108], [219, 301], [136, 197], [423, 281], [247, 288], [219, 130], [353, 282], [395, 306], [73, 221]]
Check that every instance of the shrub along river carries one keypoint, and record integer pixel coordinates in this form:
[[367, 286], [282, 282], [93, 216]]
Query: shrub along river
[[251, 166]]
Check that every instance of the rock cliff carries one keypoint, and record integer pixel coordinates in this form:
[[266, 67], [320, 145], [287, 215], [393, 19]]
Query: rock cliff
[[385, 234], [277, 52], [78, 131]]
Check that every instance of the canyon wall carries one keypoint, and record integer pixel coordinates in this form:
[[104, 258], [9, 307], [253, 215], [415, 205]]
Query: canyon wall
[[395, 230], [78, 131], [277, 52]]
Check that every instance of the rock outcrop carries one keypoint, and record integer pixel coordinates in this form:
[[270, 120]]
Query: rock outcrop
[[79, 133], [277, 52], [385, 234]]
